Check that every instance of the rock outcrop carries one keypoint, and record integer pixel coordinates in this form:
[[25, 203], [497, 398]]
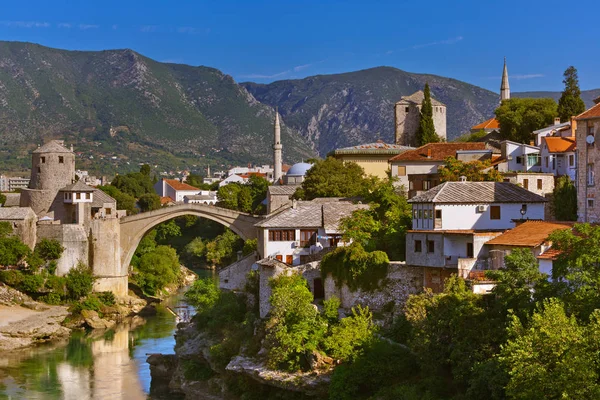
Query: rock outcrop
[[39, 327]]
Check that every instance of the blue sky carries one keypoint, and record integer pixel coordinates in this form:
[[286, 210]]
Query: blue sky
[[263, 41]]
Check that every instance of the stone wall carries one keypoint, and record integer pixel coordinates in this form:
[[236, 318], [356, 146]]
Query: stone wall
[[26, 230], [233, 277], [401, 281], [588, 196], [105, 256], [407, 123], [74, 240]]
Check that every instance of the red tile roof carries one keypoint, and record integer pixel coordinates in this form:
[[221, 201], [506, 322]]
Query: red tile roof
[[165, 200], [550, 254], [593, 112], [175, 184], [529, 234], [437, 151], [491, 123], [560, 144], [249, 174]]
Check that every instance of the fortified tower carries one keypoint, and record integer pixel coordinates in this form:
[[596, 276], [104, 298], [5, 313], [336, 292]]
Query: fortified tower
[[407, 113], [277, 163], [52, 168]]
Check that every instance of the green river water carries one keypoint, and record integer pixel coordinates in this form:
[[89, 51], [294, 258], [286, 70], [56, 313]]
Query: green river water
[[98, 365]]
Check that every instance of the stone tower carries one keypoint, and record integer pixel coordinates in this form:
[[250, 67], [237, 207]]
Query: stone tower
[[407, 114], [504, 87], [277, 163], [52, 168]]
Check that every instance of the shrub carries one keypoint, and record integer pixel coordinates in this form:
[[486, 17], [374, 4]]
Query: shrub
[[31, 283], [51, 268], [51, 298], [330, 310], [203, 294], [89, 303], [355, 267], [347, 338], [49, 249], [12, 277], [12, 250], [106, 298], [250, 245], [79, 282], [56, 284]]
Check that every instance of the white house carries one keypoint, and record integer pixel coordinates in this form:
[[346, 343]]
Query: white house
[[174, 189], [558, 129], [519, 157], [559, 156], [233, 179], [206, 197], [295, 234], [453, 221]]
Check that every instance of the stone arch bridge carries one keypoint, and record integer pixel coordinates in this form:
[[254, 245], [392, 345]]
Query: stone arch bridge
[[134, 227]]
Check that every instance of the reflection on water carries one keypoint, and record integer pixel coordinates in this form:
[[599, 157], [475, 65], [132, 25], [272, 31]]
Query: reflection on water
[[101, 365]]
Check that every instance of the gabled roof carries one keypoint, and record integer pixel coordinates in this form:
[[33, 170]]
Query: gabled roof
[[378, 147], [558, 144], [477, 193], [15, 213], [417, 99], [591, 113], [553, 127], [529, 234], [437, 151], [280, 190], [77, 187], [175, 184], [491, 123], [307, 214], [100, 198], [52, 146]]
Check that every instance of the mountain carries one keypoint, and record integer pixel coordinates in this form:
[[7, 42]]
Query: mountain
[[587, 96], [339, 110], [120, 105]]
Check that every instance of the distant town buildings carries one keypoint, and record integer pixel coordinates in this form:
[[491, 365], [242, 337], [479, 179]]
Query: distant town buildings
[[180, 192], [11, 184]]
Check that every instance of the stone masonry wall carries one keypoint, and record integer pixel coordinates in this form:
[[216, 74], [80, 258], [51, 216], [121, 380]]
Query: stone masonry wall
[[233, 277], [593, 158], [74, 240]]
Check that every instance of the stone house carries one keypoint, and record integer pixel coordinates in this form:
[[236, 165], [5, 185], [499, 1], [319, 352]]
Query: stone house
[[295, 234], [407, 113], [417, 170], [453, 221], [372, 157], [536, 182], [588, 164], [23, 221]]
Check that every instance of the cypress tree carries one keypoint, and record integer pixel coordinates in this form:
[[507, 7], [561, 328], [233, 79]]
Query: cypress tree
[[426, 132], [570, 103]]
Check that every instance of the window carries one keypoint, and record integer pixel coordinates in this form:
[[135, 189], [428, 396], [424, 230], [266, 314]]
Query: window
[[505, 180], [426, 185], [438, 214], [420, 214], [61, 160], [571, 160], [415, 214], [494, 212], [469, 250], [282, 235], [308, 237], [533, 160], [526, 183], [88, 196], [553, 162], [430, 246], [401, 170], [279, 257], [539, 184], [519, 160], [407, 109], [411, 185], [289, 259], [590, 203], [108, 211], [78, 196], [418, 248], [43, 160], [590, 126], [39, 169], [590, 175], [546, 162]]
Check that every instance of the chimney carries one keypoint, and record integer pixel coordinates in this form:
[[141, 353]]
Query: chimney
[[463, 178], [556, 121], [429, 153], [573, 126], [294, 204]]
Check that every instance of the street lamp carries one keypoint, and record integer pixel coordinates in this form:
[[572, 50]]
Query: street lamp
[[523, 211]]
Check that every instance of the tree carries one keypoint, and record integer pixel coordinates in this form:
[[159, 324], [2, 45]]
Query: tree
[[157, 269], [149, 202], [49, 249], [235, 196], [80, 281], [475, 171], [124, 200], [519, 117], [570, 103], [354, 266], [426, 132], [167, 230], [6, 229], [145, 170], [564, 199], [333, 178], [2, 199], [223, 249], [552, 357]]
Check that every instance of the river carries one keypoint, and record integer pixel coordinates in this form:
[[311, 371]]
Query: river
[[98, 365]]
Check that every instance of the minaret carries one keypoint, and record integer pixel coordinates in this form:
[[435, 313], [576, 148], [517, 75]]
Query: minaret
[[208, 171], [277, 167], [504, 87]]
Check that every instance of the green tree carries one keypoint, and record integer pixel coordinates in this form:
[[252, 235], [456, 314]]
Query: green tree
[[223, 249], [167, 230], [145, 170], [570, 103], [79, 281], [258, 190], [519, 117], [149, 202], [475, 171], [124, 200], [333, 178], [552, 357], [235, 196], [564, 199], [351, 334], [426, 132], [49, 249], [354, 266], [157, 269], [5, 229], [12, 251], [2, 199]]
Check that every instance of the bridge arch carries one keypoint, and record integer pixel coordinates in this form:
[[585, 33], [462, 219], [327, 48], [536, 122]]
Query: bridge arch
[[134, 227]]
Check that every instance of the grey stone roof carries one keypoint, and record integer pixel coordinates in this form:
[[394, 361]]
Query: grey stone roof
[[52, 146], [77, 187], [200, 197], [271, 262], [15, 213], [280, 190], [417, 99], [374, 148], [12, 199], [99, 198], [477, 193], [308, 214]]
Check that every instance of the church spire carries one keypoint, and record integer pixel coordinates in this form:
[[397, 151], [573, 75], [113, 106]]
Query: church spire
[[277, 163], [504, 87]]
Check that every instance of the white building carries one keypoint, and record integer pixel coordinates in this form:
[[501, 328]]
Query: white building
[[206, 197], [559, 156], [519, 157], [303, 230], [453, 221], [10, 184], [174, 189], [558, 129], [233, 179]]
